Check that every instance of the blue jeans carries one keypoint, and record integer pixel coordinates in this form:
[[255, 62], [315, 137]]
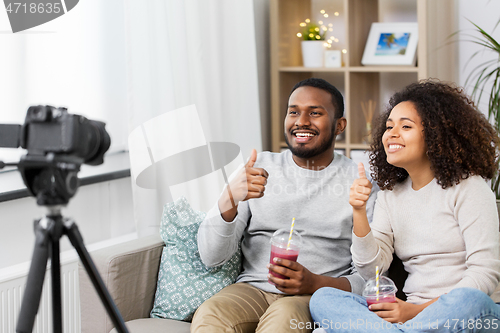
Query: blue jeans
[[461, 310]]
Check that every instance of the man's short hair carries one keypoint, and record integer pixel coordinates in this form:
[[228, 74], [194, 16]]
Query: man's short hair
[[337, 98]]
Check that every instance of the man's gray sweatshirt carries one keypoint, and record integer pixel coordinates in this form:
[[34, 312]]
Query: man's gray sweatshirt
[[319, 201]]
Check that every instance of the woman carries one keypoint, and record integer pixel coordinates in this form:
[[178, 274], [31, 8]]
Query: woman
[[431, 154]]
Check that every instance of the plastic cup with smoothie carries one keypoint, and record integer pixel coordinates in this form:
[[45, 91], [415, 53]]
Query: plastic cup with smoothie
[[282, 248], [386, 291]]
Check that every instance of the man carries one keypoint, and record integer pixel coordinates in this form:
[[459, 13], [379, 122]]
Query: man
[[309, 182]]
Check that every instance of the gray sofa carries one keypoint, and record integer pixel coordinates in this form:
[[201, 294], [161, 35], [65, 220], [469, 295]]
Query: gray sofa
[[130, 271]]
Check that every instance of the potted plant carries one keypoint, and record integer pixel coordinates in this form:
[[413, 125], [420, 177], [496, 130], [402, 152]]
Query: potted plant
[[313, 41], [481, 76]]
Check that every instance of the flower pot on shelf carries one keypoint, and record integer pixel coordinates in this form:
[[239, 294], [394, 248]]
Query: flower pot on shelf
[[313, 53]]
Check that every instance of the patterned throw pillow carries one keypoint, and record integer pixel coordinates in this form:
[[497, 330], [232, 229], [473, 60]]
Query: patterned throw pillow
[[184, 282]]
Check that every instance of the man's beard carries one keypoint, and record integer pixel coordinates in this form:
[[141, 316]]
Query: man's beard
[[303, 152]]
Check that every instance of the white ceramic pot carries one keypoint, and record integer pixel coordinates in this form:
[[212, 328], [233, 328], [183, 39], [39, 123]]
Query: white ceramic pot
[[313, 53]]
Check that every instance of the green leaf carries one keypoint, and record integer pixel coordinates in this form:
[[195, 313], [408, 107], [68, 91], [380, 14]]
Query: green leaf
[[483, 74]]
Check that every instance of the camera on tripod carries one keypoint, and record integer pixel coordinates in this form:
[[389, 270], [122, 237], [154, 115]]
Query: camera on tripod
[[57, 143]]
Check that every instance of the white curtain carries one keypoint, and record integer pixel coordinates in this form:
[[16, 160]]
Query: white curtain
[[76, 61], [189, 55]]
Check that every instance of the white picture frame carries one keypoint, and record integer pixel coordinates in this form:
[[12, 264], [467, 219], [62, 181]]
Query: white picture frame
[[391, 44], [333, 58]]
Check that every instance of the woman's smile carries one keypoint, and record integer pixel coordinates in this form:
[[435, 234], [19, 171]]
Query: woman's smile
[[394, 147]]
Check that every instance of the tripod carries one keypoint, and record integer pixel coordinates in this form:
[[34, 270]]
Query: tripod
[[48, 232]]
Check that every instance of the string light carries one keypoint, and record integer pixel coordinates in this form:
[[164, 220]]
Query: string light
[[344, 51], [312, 31]]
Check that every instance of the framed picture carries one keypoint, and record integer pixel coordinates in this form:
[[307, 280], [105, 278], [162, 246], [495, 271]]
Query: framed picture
[[333, 58], [391, 44]]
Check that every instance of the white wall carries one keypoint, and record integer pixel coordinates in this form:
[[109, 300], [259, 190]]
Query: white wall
[[395, 11], [486, 14], [97, 210], [261, 10]]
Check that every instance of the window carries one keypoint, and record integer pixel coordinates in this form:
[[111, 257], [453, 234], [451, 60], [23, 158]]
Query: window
[[76, 61]]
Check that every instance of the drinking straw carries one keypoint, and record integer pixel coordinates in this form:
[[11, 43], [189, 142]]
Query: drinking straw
[[376, 280], [291, 233]]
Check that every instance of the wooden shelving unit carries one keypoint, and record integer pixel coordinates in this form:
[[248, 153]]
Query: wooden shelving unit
[[357, 82]]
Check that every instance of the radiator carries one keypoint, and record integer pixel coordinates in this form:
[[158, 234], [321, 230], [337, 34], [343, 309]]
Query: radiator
[[11, 293]]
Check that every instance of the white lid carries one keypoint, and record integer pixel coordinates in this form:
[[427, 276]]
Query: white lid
[[385, 285]]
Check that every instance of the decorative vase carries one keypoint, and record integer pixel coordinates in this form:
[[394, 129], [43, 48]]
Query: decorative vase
[[368, 134], [313, 53]]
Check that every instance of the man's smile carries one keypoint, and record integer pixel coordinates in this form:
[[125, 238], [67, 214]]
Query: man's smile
[[303, 136]]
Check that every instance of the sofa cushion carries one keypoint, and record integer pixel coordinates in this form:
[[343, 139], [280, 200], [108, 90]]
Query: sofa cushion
[[184, 282], [156, 326], [129, 271]]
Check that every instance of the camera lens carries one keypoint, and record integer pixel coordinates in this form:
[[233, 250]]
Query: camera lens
[[99, 142]]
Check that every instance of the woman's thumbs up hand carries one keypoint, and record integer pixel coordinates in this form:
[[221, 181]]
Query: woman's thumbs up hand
[[360, 190]]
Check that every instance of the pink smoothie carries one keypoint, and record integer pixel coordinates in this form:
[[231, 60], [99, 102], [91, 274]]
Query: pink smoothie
[[284, 254], [381, 299]]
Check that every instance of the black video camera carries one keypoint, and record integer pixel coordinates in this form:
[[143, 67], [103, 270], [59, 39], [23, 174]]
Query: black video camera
[[53, 130], [57, 143]]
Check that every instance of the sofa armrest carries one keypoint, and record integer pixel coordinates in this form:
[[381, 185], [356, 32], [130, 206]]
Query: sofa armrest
[[129, 271]]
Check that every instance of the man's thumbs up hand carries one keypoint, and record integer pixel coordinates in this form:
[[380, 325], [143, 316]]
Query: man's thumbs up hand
[[360, 190], [250, 182], [251, 159]]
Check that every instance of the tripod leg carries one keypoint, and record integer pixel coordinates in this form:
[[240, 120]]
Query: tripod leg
[[34, 284], [56, 286], [77, 241]]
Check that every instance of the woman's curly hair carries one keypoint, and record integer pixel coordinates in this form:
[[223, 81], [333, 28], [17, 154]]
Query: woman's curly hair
[[460, 140]]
